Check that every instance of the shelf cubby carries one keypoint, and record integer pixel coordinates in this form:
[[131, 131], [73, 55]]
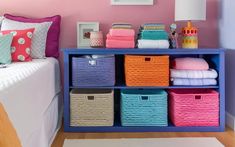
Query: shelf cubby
[[215, 58]]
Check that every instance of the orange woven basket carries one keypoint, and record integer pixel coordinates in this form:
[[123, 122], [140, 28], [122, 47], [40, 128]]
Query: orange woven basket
[[147, 70]]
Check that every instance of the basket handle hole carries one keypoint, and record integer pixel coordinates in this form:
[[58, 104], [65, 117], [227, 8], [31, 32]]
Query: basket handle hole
[[144, 98], [147, 59], [90, 97], [198, 97], [92, 62]]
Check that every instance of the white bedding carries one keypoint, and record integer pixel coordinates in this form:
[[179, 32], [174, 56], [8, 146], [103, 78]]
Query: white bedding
[[26, 91], [44, 134]]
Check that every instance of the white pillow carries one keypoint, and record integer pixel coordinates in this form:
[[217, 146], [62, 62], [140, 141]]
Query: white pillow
[[39, 36]]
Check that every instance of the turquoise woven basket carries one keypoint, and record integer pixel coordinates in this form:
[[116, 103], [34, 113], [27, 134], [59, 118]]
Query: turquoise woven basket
[[144, 108]]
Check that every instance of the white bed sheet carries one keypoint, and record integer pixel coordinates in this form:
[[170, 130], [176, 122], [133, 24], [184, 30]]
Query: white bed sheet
[[44, 134], [26, 91]]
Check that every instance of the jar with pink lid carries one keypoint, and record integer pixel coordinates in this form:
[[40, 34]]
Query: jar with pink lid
[[96, 39]]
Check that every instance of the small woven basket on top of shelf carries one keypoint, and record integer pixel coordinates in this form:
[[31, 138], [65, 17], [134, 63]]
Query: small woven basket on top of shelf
[[93, 72], [147, 70], [91, 107], [194, 107], [144, 108]]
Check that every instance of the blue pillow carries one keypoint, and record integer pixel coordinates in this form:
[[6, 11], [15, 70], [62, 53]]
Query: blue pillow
[[1, 18], [5, 48]]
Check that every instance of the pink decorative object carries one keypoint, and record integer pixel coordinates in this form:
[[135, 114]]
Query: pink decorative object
[[194, 107], [52, 43], [96, 39], [122, 32], [190, 63], [21, 44]]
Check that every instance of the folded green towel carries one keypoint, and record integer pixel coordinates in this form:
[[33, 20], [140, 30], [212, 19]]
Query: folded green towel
[[154, 35], [154, 28]]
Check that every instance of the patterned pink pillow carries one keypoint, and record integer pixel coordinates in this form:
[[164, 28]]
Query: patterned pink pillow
[[52, 43], [21, 44]]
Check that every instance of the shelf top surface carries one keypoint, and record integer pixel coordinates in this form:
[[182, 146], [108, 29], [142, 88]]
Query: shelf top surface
[[142, 51], [144, 87]]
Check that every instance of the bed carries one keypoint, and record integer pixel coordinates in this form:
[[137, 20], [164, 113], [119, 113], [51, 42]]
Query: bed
[[30, 103]]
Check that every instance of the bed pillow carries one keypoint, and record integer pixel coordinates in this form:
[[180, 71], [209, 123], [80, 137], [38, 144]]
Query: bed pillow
[[5, 48], [39, 36], [21, 44], [52, 43], [1, 18]]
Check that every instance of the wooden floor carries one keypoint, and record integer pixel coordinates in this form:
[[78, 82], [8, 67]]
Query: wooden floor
[[227, 138]]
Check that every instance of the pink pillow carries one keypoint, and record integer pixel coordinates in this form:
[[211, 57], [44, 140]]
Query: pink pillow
[[21, 44], [52, 43]]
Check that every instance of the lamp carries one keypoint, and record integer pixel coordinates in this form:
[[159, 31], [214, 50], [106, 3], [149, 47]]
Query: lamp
[[190, 10]]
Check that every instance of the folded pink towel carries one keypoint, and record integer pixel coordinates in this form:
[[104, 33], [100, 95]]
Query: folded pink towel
[[122, 32], [190, 63], [123, 38], [119, 44]]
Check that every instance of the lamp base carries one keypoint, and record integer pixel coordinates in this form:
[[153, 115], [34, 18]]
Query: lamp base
[[190, 37], [190, 42]]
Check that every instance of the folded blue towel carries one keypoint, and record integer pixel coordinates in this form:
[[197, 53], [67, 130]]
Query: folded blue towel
[[154, 35]]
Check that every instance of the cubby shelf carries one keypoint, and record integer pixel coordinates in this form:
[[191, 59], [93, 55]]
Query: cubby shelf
[[144, 51], [119, 128], [150, 87], [215, 56]]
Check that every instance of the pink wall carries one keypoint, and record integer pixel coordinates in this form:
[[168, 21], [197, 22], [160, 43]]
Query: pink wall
[[101, 10]]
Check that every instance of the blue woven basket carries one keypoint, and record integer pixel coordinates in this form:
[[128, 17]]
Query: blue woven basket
[[144, 108], [93, 72]]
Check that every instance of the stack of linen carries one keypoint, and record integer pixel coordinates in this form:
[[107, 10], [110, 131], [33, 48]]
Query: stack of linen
[[192, 71], [121, 35], [153, 35]]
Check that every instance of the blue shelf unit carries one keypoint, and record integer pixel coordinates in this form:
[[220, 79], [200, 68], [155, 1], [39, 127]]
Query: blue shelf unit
[[215, 57]]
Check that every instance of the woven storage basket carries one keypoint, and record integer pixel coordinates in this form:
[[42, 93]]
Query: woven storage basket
[[144, 108], [147, 70], [91, 107], [93, 72], [194, 107]]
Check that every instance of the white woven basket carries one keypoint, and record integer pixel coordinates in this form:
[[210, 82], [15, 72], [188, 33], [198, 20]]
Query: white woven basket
[[91, 107]]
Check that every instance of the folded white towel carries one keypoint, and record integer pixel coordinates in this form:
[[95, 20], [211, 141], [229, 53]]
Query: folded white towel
[[153, 43], [194, 74], [193, 82]]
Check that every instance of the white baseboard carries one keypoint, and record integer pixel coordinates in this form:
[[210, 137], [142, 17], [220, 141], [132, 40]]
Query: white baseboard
[[230, 120]]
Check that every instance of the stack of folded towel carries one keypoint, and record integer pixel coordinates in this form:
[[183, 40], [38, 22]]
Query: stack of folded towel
[[153, 35], [121, 35], [192, 71]]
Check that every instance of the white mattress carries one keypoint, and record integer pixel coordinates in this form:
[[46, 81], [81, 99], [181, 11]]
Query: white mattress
[[26, 91]]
